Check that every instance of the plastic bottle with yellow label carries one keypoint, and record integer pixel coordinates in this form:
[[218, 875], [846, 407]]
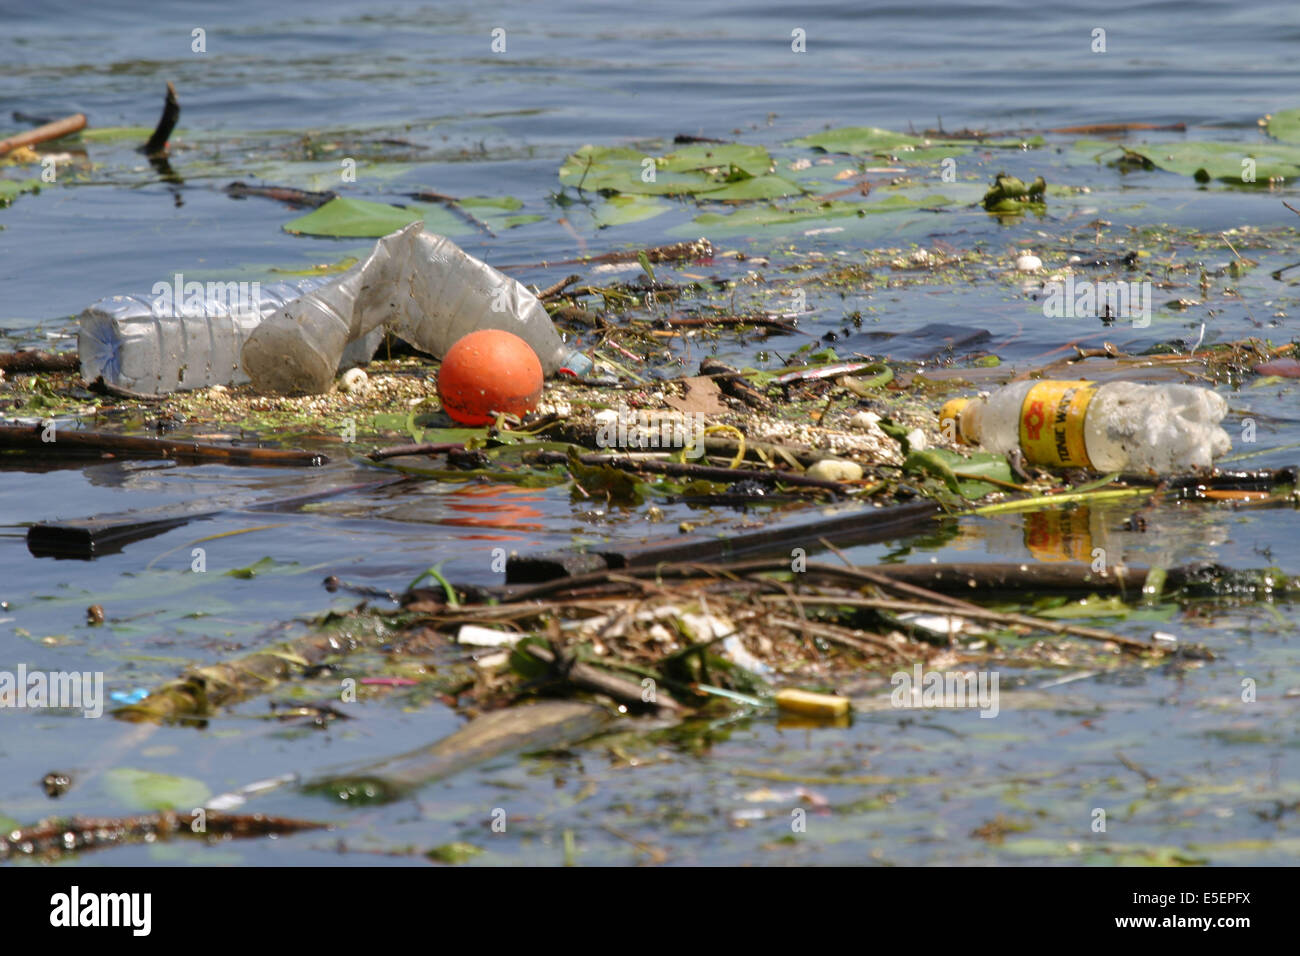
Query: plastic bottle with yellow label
[[1118, 426]]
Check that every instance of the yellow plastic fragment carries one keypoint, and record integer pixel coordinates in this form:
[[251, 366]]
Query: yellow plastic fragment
[[812, 704]]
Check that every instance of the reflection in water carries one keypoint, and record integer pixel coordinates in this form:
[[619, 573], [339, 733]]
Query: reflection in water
[[1109, 534]]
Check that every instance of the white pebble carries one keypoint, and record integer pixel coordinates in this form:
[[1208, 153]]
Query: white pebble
[[917, 441], [830, 470], [1028, 263], [864, 420], [353, 380]]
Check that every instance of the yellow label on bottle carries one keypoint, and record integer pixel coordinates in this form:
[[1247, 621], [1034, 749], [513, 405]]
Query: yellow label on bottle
[[1051, 424]]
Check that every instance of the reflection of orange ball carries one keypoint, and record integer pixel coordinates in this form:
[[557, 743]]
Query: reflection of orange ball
[[489, 371]]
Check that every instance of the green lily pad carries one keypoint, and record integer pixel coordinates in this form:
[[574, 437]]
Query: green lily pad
[[454, 853], [1221, 161], [757, 187], [1284, 126], [116, 134], [873, 141], [253, 570], [353, 218], [752, 160], [689, 171], [622, 210], [321, 269], [501, 203], [141, 789], [806, 209], [857, 140], [9, 188]]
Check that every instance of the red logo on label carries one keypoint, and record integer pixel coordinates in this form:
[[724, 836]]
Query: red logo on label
[[1034, 420]]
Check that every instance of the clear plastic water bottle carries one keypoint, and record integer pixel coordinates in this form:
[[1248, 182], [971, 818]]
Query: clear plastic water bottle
[[167, 342], [1119, 426], [422, 286]]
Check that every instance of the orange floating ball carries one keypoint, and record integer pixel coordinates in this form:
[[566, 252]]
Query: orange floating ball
[[489, 371]]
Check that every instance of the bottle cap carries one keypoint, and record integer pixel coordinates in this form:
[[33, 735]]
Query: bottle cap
[[951, 411]]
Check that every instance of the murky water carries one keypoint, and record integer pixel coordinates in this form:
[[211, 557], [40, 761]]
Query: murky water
[[1220, 774]]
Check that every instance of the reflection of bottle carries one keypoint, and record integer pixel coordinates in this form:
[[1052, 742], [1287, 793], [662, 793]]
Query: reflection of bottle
[[158, 344], [1119, 426], [1065, 534]]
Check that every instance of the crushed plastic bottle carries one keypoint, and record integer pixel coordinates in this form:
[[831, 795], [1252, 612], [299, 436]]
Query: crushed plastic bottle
[[1118, 426], [422, 286], [155, 344]]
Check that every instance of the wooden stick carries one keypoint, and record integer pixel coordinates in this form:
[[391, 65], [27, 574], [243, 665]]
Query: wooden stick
[[586, 677], [453, 204], [32, 438], [686, 470], [157, 143], [63, 836], [551, 291], [34, 360], [978, 613], [56, 130], [426, 448], [699, 249]]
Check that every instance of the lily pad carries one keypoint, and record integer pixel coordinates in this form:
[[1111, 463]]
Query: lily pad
[[9, 188], [141, 789], [454, 853], [353, 218], [622, 210], [805, 209], [1221, 161], [117, 134], [752, 160], [1284, 126], [690, 171], [857, 140], [757, 187], [873, 141]]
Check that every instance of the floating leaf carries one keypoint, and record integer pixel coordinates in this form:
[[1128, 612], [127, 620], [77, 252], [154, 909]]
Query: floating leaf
[[502, 203], [1284, 126], [688, 171], [757, 187], [858, 140], [802, 210], [253, 570], [752, 160], [323, 269], [621, 210], [510, 222], [116, 134], [9, 188], [1221, 161], [154, 791], [353, 218], [454, 853], [872, 141], [621, 487]]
